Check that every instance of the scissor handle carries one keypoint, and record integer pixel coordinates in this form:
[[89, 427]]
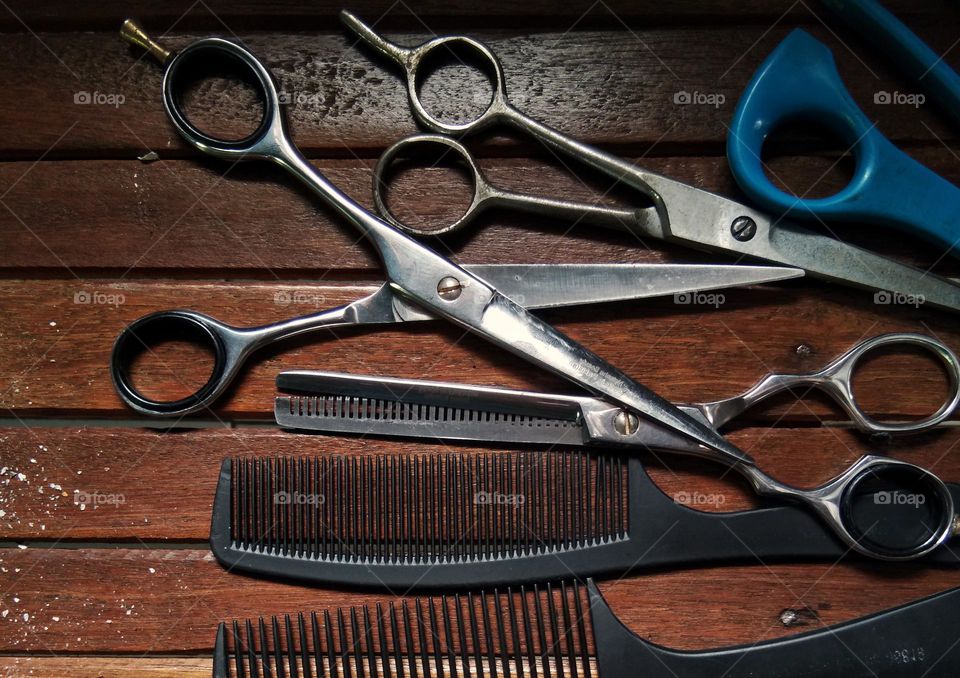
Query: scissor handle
[[799, 81], [228, 345], [486, 195], [883, 508], [836, 380], [412, 59], [231, 346], [482, 189], [891, 509], [265, 141]]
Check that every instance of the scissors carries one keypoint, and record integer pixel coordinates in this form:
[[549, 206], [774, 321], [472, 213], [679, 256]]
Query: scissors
[[344, 403], [414, 272], [799, 81], [686, 215], [537, 286], [433, 283]]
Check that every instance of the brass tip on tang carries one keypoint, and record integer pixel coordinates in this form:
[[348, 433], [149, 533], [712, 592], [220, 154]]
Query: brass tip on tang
[[135, 35]]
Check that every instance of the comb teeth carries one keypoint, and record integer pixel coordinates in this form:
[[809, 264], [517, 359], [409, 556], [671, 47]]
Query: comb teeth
[[425, 509], [526, 632], [377, 409]]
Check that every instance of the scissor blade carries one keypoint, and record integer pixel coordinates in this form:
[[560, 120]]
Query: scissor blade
[[350, 403], [705, 220], [433, 393], [368, 416], [536, 286], [554, 285], [832, 259]]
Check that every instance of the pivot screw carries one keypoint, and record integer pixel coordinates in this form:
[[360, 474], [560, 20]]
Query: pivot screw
[[743, 228], [449, 288], [626, 423]]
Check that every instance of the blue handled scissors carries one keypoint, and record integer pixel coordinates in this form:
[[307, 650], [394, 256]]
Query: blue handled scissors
[[685, 215], [799, 81]]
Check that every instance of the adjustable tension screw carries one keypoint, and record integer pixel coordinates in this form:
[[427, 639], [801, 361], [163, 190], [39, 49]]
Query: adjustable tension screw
[[626, 423], [449, 288]]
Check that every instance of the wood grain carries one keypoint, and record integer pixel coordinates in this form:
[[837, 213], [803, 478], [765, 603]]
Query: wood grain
[[612, 87], [163, 601], [49, 470], [215, 14], [22, 666], [92, 238], [176, 218], [56, 350]]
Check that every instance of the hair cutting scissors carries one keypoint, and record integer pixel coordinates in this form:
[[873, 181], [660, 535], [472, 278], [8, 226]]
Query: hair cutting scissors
[[414, 272], [686, 215], [430, 281], [860, 504], [536, 286]]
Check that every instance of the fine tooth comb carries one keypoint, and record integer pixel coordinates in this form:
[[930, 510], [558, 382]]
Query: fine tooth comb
[[568, 629], [466, 520]]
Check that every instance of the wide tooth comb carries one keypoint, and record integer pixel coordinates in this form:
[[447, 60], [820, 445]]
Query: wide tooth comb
[[453, 635], [568, 630], [465, 520]]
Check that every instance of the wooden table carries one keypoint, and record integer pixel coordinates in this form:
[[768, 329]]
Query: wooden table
[[93, 238]]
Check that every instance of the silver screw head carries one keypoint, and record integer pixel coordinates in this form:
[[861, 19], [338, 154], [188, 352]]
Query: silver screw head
[[626, 423], [743, 228], [449, 288]]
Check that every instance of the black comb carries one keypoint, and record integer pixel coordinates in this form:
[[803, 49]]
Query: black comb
[[478, 520], [569, 630]]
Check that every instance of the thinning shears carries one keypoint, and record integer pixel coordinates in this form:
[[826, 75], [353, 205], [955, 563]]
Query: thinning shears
[[685, 215], [853, 502]]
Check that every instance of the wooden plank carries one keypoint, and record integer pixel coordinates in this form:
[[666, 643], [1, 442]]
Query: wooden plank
[[214, 14], [58, 337], [166, 218], [602, 87], [170, 601], [158, 486], [38, 666]]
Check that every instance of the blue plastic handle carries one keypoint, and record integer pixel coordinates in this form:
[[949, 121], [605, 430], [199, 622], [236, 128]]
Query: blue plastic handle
[[903, 47], [799, 81]]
